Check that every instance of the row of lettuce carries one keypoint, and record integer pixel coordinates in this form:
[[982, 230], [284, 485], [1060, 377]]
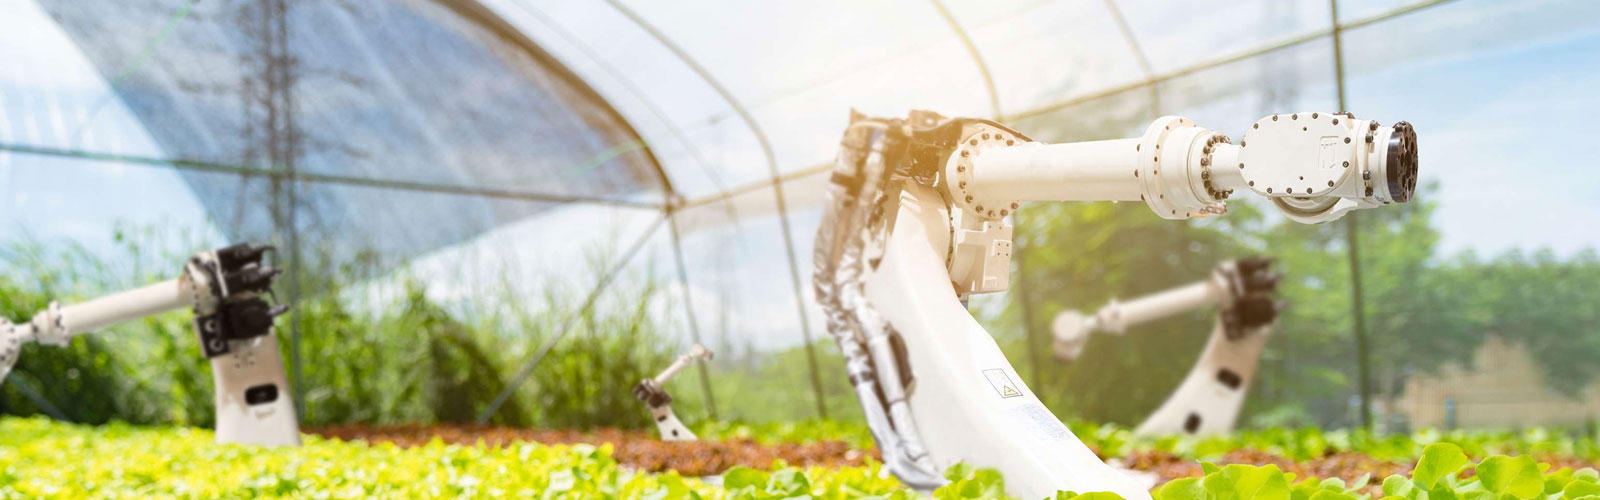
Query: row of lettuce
[[44, 459], [1295, 444]]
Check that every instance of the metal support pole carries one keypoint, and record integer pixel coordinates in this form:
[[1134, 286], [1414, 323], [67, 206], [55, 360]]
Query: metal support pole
[[1030, 329], [1353, 240], [777, 188], [688, 309], [566, 326]]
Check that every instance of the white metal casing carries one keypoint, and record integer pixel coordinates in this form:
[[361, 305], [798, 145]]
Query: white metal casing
[[1210, 397], [971, 405], [668, 424], [253, 365]]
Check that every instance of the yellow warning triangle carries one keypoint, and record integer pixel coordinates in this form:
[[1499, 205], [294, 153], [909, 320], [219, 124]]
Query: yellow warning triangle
[[1011, 392]]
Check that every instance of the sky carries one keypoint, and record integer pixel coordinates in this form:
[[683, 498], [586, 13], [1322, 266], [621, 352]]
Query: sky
[[1501, 116]]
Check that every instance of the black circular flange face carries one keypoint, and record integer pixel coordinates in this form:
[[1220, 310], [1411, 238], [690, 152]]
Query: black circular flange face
[[1401, 163]]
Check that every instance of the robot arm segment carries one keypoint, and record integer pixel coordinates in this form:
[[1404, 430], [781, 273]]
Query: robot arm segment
[[1241, 290], [1314, 167], [234, 325]]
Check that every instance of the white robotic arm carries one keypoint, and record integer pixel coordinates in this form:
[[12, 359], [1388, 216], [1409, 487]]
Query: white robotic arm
[[916, 223], [234, 325], [653, 393], [1210, 397]]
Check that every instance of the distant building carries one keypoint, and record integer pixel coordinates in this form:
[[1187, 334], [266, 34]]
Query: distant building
[[1502, 389]]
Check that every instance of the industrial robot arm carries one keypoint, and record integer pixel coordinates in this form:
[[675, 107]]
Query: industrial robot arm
[[1209, 398], [916, 223], [653, 393], [234, 325]]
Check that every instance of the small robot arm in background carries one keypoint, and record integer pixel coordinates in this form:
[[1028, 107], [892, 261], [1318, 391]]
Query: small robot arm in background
[[653, 393], [916, 223], [1209, 398], [234, 325]]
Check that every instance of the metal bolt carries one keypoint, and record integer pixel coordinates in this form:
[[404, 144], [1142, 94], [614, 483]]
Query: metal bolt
[[1313, 116], [1295, 116], [1010, 142], [991, 213], [1330, 183], [1241, 166], [1004, 213], [960, 168], [1205, 161], [1252, 183], [1335, 121], [1135, 173], [969, 198], [1369, 139], [1347, 164], [963, 184], [973, 142], [1258, 125], [964, 153], [980, 208], [1014, 205], [1366, 175], [1347, 139], [985, 137], [1274, 117], [1269, 190]]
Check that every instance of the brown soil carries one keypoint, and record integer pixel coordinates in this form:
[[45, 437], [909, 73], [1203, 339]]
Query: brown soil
[[637, 449], [644, 451]]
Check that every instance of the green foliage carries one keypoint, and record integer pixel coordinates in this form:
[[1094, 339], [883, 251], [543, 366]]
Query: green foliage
[[1438, 461], [1308, 443]]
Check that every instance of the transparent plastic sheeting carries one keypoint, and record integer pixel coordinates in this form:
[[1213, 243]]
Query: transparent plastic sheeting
[[412, 91], [729, 96]]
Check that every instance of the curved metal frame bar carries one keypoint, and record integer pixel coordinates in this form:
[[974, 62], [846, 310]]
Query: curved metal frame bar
[[777, 186]]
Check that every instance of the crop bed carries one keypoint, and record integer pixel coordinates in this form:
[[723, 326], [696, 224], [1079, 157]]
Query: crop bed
[[44, 459], [804, 446]]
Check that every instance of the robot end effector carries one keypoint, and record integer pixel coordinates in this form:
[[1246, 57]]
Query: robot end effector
[[1313, 166]]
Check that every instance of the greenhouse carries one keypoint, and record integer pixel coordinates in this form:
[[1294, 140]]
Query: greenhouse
[[496, 217]]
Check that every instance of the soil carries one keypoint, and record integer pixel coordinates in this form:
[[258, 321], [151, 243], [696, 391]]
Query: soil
[[644, 451], [637, 449]]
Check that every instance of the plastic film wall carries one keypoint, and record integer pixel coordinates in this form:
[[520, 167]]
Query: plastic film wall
[[685, 143]]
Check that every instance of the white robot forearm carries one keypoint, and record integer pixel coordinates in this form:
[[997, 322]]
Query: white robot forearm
[[1313, 166]]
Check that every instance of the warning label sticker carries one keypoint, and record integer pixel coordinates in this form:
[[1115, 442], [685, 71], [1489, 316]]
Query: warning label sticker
[[1002, 383]]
